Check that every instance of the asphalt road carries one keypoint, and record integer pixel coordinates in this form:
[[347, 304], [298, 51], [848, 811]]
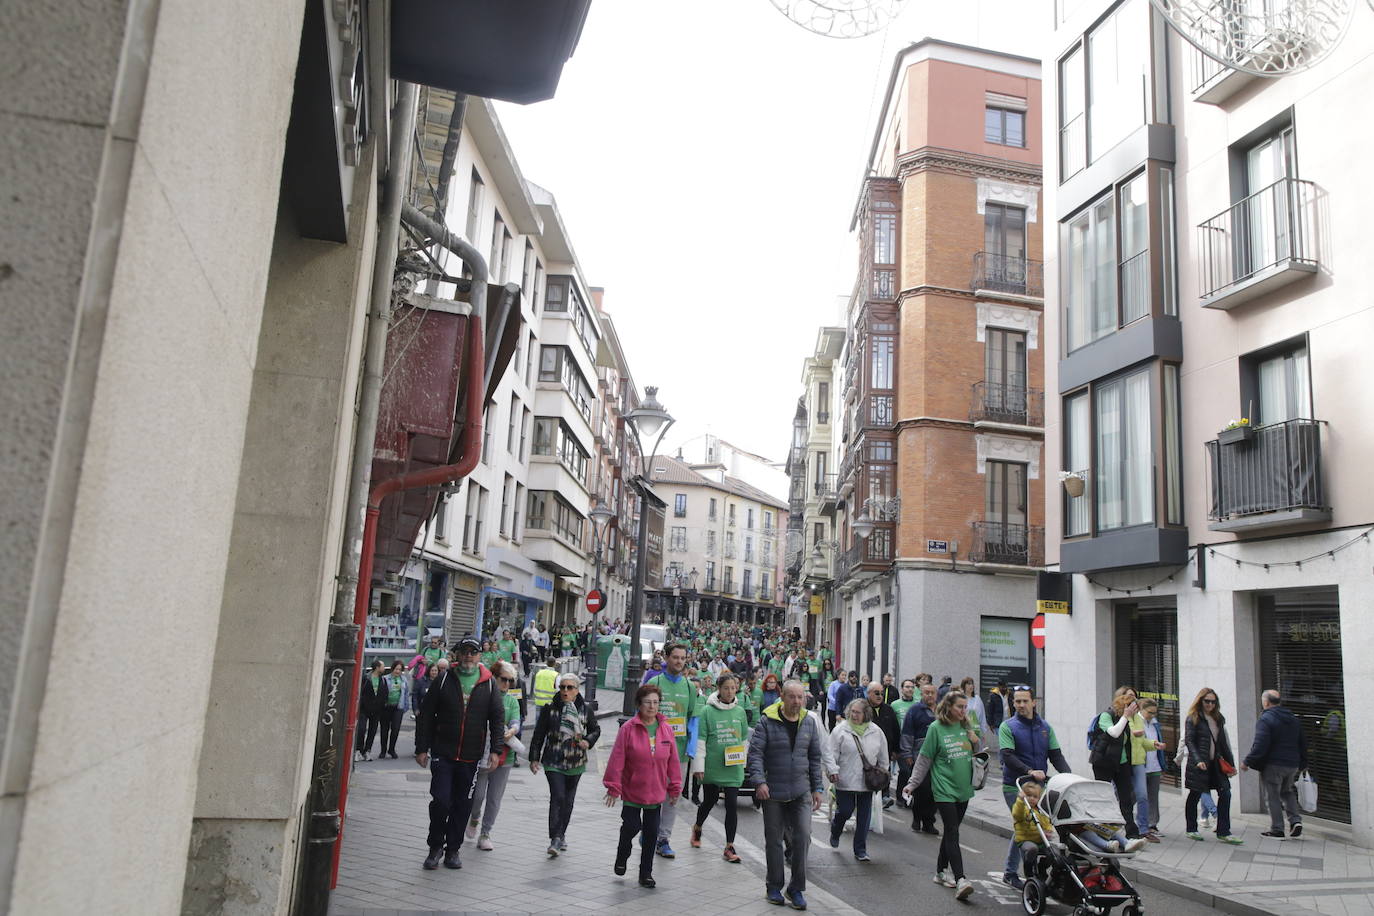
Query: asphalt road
[[898, 880]]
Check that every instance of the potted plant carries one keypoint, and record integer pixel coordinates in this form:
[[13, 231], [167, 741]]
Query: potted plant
[[1073, 482], [1237, 432]]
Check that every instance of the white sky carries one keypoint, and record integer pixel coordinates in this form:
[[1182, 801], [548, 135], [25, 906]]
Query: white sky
[[706, 157]]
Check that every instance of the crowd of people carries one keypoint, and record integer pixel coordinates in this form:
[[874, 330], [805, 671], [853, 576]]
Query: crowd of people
[[729, 708]]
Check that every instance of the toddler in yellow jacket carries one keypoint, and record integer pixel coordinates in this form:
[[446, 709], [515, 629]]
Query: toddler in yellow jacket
[[1024, 815]]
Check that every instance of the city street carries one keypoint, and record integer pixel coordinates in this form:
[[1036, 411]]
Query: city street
[[381, 874]]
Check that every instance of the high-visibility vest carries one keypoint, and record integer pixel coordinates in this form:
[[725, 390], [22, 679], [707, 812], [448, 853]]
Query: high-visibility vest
[[545, 686]]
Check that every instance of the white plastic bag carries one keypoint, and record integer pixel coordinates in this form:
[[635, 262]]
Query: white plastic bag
[[1307, 792], [876, 821]]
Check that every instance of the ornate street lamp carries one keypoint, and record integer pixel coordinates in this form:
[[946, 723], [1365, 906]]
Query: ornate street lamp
[[646, 421], [601, 516]]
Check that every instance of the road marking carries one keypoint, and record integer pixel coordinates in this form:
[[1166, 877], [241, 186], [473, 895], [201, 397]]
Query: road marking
[[970, 849]]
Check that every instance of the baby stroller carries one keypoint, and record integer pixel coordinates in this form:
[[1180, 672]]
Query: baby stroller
[[1070, 871]]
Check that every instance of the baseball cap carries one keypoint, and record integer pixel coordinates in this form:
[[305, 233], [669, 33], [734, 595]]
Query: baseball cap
[[467, 641]]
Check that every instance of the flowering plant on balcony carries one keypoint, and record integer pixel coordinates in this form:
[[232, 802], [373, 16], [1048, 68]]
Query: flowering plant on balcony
[[1237, 424]]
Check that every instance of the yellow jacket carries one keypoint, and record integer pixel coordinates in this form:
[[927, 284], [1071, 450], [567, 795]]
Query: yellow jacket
[[1023, 823], [545, 685]]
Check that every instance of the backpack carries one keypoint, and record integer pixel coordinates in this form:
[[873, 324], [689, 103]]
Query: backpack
[[1094, 729]]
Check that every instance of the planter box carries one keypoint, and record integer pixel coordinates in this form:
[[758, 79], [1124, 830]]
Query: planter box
[[1241, 435]]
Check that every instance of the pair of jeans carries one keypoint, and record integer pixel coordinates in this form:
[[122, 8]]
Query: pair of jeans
[[486, 798], [1099, 842], [785, 820], [1140, 786], [845, 803], [1209, 807], [562, 794], [951, 856], [1031, 853], [451, 786], [1015, 849], [641, 822], [709, 795], [1281, 795], [668, 813], [1152, 793]]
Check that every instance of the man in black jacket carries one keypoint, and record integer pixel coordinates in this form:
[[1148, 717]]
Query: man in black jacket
[[886, 720], [462, 718], [1278, 752]]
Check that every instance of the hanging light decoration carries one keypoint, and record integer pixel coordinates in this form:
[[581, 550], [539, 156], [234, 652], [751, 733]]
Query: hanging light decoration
[[1266, 39], [841, 18]]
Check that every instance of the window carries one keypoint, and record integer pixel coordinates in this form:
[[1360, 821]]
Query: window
[[1005, 127], [513, 425], [767, 520], [527, 272], [556, 365], [538, 285], [556, 294], [1077, 449], [821, 458], [1089, 288], [731, 512], [823, 403], [710, 576], [729, 585], [554, 438], [747, 583], [729, 545], [1118, 76], [749, 518], [1004, 232], [885, 238], [1006, 495], [1123, 490], [711, 509], [680, 505], [476, 509], [1073, 121], [884, 346], [1173, 455], [819, 537], [441, 519], [486, 432], [766, 554], [515, 512], [1283, 382], [507, 491], [550, 512], [677, 539], [524, 433], [475, 189], [748, 549], [498, 234], [529, 364], [710, 543], [763, 586], [1005, 358], [1135, 249]]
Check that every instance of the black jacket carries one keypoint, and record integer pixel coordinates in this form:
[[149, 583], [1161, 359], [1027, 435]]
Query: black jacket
[[1198, 738], [371, 701], [886, 720], [544, 747], [1278, 740], [447, 727]]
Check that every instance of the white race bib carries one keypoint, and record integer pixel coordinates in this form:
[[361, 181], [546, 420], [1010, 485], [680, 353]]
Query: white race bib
[[734, 755], [679, 724]]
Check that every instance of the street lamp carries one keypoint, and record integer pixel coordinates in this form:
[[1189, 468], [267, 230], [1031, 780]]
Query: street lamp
[[600, 516], [646, 420]]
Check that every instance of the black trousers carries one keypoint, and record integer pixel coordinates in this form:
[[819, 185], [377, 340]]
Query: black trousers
[[451, 783], [562, 794], [642, 822], [923, 806], [391, 727], [1121, 779], [367, 723], [951, 814], [709, 795]]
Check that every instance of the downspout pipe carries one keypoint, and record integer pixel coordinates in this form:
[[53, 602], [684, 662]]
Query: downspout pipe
[[339, 688], [469, 452]]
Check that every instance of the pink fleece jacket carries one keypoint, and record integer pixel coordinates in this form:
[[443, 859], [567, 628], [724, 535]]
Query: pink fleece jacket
[[636, 774]]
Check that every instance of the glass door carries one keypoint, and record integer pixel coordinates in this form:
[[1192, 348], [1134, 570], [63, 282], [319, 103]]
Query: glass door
[[1005, 357], [1267, 210]]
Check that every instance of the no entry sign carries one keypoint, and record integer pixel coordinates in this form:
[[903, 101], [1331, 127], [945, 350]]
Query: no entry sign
[[1038, 631], [595, 600]]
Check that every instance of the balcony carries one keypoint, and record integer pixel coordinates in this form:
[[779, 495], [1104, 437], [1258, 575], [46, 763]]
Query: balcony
[[748, 592], [866, 554], [827, 489], [1008, 275], [880, 412], [710, 585], [728, 588], [1270, 479], [1260, 244], [1000, 405], [1008, 544]]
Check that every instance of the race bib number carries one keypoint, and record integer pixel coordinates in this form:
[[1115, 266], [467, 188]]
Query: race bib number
[[734, 755], [679, 724]]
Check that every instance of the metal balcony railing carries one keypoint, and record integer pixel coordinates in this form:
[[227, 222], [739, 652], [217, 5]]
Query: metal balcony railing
[[827, 486], [876, 548], [1004, 402], [1008, 274], [881, 409], [1270, 230], [1272, 469], [1007, 543]]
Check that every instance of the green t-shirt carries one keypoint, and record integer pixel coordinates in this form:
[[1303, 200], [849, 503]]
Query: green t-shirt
[[568, 641], [512, 708], [680, 704], [723, 729], [393, 694], [376, 684], [825, 655], [489, 658], [900, 708], [775, 665], [951, 756], [468, 681], [432, 655], [507, 649], [652, 729], [1006, 739]]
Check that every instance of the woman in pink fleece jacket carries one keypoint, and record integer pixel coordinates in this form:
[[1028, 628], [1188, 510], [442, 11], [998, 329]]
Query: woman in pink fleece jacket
[[643, 765]]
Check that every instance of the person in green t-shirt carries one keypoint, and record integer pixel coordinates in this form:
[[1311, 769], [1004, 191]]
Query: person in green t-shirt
[[680, 704], [491, 783], [489, 654], [434, 651], [718, 763], [508, 649], [397, 689], [947, 756]]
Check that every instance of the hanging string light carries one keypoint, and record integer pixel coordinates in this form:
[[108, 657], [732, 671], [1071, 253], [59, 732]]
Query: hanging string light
[[1266, 39], [840, 18]]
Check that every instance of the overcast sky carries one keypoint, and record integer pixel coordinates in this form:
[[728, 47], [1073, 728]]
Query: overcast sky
[[706, 158]]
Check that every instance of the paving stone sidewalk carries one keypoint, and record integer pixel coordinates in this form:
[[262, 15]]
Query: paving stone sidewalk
[[384, 844], [1318, 873]]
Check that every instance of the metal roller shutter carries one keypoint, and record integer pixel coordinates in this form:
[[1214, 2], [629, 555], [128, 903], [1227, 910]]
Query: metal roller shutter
[[1300, 655], [464, 617], [1147, 660]]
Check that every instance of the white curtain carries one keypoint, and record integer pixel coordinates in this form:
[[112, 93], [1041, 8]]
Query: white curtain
[[1109, 453], [1137, 492]]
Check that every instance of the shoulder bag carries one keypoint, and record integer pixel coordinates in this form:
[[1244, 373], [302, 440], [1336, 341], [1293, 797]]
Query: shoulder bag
[[876, 779]]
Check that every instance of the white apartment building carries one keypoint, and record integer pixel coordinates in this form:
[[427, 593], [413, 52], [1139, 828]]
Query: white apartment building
[[1211, 264], [726, 531]]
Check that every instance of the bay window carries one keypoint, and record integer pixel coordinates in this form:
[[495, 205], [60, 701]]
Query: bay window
[[1089, 288]]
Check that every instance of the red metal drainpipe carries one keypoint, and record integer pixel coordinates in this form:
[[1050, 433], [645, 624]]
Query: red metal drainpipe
[[469, 451]]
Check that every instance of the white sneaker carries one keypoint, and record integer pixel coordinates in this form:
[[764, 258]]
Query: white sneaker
[[1208, 823], [1113, 846], [965, 888], [1133, 845], [943, 877], [484, 843], [471, 832]]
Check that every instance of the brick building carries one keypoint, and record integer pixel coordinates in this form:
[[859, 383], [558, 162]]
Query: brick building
[[942, 391]]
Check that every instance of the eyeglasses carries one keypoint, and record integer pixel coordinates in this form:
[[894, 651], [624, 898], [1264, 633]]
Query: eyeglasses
[[508, 680], [568, 687], [1210, 702], [1025, 687]]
